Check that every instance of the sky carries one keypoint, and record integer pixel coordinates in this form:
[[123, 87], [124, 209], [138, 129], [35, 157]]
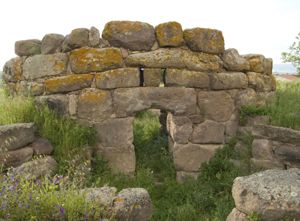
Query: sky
[[266, 27]]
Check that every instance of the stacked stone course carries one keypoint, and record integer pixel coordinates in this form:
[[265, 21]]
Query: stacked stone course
[[104, 82]]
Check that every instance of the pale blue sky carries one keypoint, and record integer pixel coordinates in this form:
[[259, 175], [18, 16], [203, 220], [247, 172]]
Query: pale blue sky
[[255, 26]]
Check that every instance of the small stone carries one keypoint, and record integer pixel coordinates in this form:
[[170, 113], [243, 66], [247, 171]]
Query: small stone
[[15, 136], [51, 43], [233, 61], [169, 34], [204, 40], [28, 47], [42, 146], [136, 36], [152, 77], [94, 37]]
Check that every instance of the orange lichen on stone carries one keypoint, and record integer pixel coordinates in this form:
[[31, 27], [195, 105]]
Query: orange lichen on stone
[[85, 60], [68, 83], [169, 34]]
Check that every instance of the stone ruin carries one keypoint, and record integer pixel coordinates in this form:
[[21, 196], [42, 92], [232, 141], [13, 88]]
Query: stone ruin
[[104, 82]]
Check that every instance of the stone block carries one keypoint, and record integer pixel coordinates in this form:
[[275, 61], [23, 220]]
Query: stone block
[[268, 66], [258, 164], [40, 66], [216, 105], [118, 78], [116, 132], [175, 58], [260, 82], [15, 136], [262, 149], [85, 60], [180, 128], [28, 47], [208, 132], [94, 104], [51, 43], [17, 157], [229, 80], [169, 34], [287, 153], [29, 88], [12, 70], [120, 160], [186, 78], [94, 37], [41, 146], [204, 40], [273, 194], [189, 157], [128, 101], [246, 97], [231, 126], [59, 103], [68, 83], [236, 215], [78, 37], [233, 61], [256, 62], [136, 36], [152, 77]]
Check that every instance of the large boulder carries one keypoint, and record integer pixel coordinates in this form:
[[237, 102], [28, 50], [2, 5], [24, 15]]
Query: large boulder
[[103, 196], [85, 60], [51, 43], [40, 66], [137, 36], [233, 61], [273, 194], [169, 34], [204, 40], [175, 58], [15, 136], [133, 204], [28, 47]]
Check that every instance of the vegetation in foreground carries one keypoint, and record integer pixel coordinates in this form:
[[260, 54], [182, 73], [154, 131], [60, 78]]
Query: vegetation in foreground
[[208, 198]]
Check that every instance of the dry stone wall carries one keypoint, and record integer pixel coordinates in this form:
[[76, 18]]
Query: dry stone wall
[[104, 82]]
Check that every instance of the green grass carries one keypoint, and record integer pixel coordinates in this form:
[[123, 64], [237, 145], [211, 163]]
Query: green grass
[[284, 111], [67, 136]]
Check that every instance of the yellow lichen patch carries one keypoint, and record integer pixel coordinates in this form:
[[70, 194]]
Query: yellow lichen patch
[[68, 83], [119, 200], [91, 95], [85, 60], [169, 34]]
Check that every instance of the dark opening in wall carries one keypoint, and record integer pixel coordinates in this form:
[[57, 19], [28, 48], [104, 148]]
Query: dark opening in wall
[[151, 145], [163, 77], [141, 77]]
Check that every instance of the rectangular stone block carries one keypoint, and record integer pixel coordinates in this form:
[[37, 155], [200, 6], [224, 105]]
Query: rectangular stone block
[[229, 80], [94, 104], [68, 83], [179, 128], [189, 157], [262, 149], [116, 132], [118, 78], [128, 101], [208, 132], [12, 70], [186, 78], [260, 82], [152, 77], [86, 60], [40, 66]]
